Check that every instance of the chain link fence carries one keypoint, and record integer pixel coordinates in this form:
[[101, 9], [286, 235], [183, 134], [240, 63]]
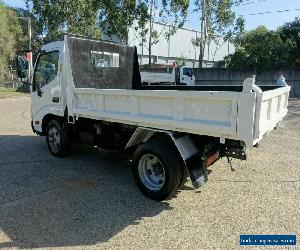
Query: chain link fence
[[12, 81]]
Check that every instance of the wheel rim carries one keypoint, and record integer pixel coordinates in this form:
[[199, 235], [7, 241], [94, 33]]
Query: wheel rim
[[151, 172], [54, 139]]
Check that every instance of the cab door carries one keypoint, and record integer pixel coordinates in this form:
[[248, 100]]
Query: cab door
[[46, 89]]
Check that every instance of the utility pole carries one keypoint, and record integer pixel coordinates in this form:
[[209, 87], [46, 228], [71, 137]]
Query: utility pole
[[169, 40], [29, 47], [30, 66], [28, 19], [29, 32], [203, 30]]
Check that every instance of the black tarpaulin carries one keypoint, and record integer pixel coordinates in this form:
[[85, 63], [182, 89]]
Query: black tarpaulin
[[102, 65]]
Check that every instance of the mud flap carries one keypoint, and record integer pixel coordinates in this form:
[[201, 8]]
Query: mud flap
[[197, 170]]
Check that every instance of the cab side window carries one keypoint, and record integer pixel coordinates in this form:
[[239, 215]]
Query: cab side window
[[46, 69]]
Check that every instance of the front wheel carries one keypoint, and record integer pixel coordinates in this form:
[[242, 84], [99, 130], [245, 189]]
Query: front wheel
[[157, 169], [58, 138]]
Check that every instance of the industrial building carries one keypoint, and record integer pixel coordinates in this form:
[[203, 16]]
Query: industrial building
[[179, 47]]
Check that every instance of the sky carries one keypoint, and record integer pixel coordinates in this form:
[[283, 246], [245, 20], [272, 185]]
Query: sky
[[250, 7]]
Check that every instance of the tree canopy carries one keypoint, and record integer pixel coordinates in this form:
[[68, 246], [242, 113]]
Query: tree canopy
[[217, 20], [267, 49], [57, 17], [290, 32], [90, 17], [11, 37], [114, 17]]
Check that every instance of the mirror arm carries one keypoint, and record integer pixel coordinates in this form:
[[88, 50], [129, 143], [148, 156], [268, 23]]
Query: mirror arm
[[27, 83]]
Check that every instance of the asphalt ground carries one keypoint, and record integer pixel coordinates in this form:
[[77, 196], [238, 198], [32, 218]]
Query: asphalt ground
[[88, 200]]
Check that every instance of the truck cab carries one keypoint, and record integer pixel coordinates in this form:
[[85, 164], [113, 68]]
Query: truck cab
[[187, 75]]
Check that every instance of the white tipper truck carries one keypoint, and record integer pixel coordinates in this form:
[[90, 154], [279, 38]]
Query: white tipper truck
[[177, 76], [90, 92]]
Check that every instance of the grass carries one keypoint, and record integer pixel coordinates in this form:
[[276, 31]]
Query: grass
[[10, 92]]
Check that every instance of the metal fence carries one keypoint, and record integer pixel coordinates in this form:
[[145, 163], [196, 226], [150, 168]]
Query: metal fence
[[12, 81], [220, 76]]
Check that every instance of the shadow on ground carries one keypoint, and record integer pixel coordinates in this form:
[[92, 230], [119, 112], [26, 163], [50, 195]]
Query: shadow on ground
[[294, 109], [80, 200]]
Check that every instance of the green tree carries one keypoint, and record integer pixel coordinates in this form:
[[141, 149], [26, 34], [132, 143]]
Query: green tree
[[11, 35], [116, 17], [217, 20], [87, 17], [36, 40], [261, 49], [180, 61], [57, 17], [291, 32]]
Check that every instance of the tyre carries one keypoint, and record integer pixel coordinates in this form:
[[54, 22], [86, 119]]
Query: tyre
[[156, 169], [58, 138], [184, 175]]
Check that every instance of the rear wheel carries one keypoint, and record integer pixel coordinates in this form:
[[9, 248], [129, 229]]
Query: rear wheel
[[184, 175], [58, 138], [156, 169]]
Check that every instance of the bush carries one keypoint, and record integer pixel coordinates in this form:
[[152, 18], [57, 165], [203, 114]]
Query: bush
[[10, 36]]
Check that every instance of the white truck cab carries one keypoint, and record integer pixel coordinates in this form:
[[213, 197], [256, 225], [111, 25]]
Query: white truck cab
[[90, 92], [178, 76], [187, 75]]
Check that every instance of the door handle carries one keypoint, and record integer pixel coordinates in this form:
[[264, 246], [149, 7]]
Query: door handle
[[55, 99]]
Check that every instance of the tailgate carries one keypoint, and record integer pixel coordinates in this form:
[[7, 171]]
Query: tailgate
[[270, 109]]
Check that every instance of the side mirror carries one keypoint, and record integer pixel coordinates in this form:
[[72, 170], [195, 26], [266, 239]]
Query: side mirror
[[22, 66]]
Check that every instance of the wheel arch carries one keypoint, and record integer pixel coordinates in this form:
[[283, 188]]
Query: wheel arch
[[46, 119], [142, 135], [185, 148]]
